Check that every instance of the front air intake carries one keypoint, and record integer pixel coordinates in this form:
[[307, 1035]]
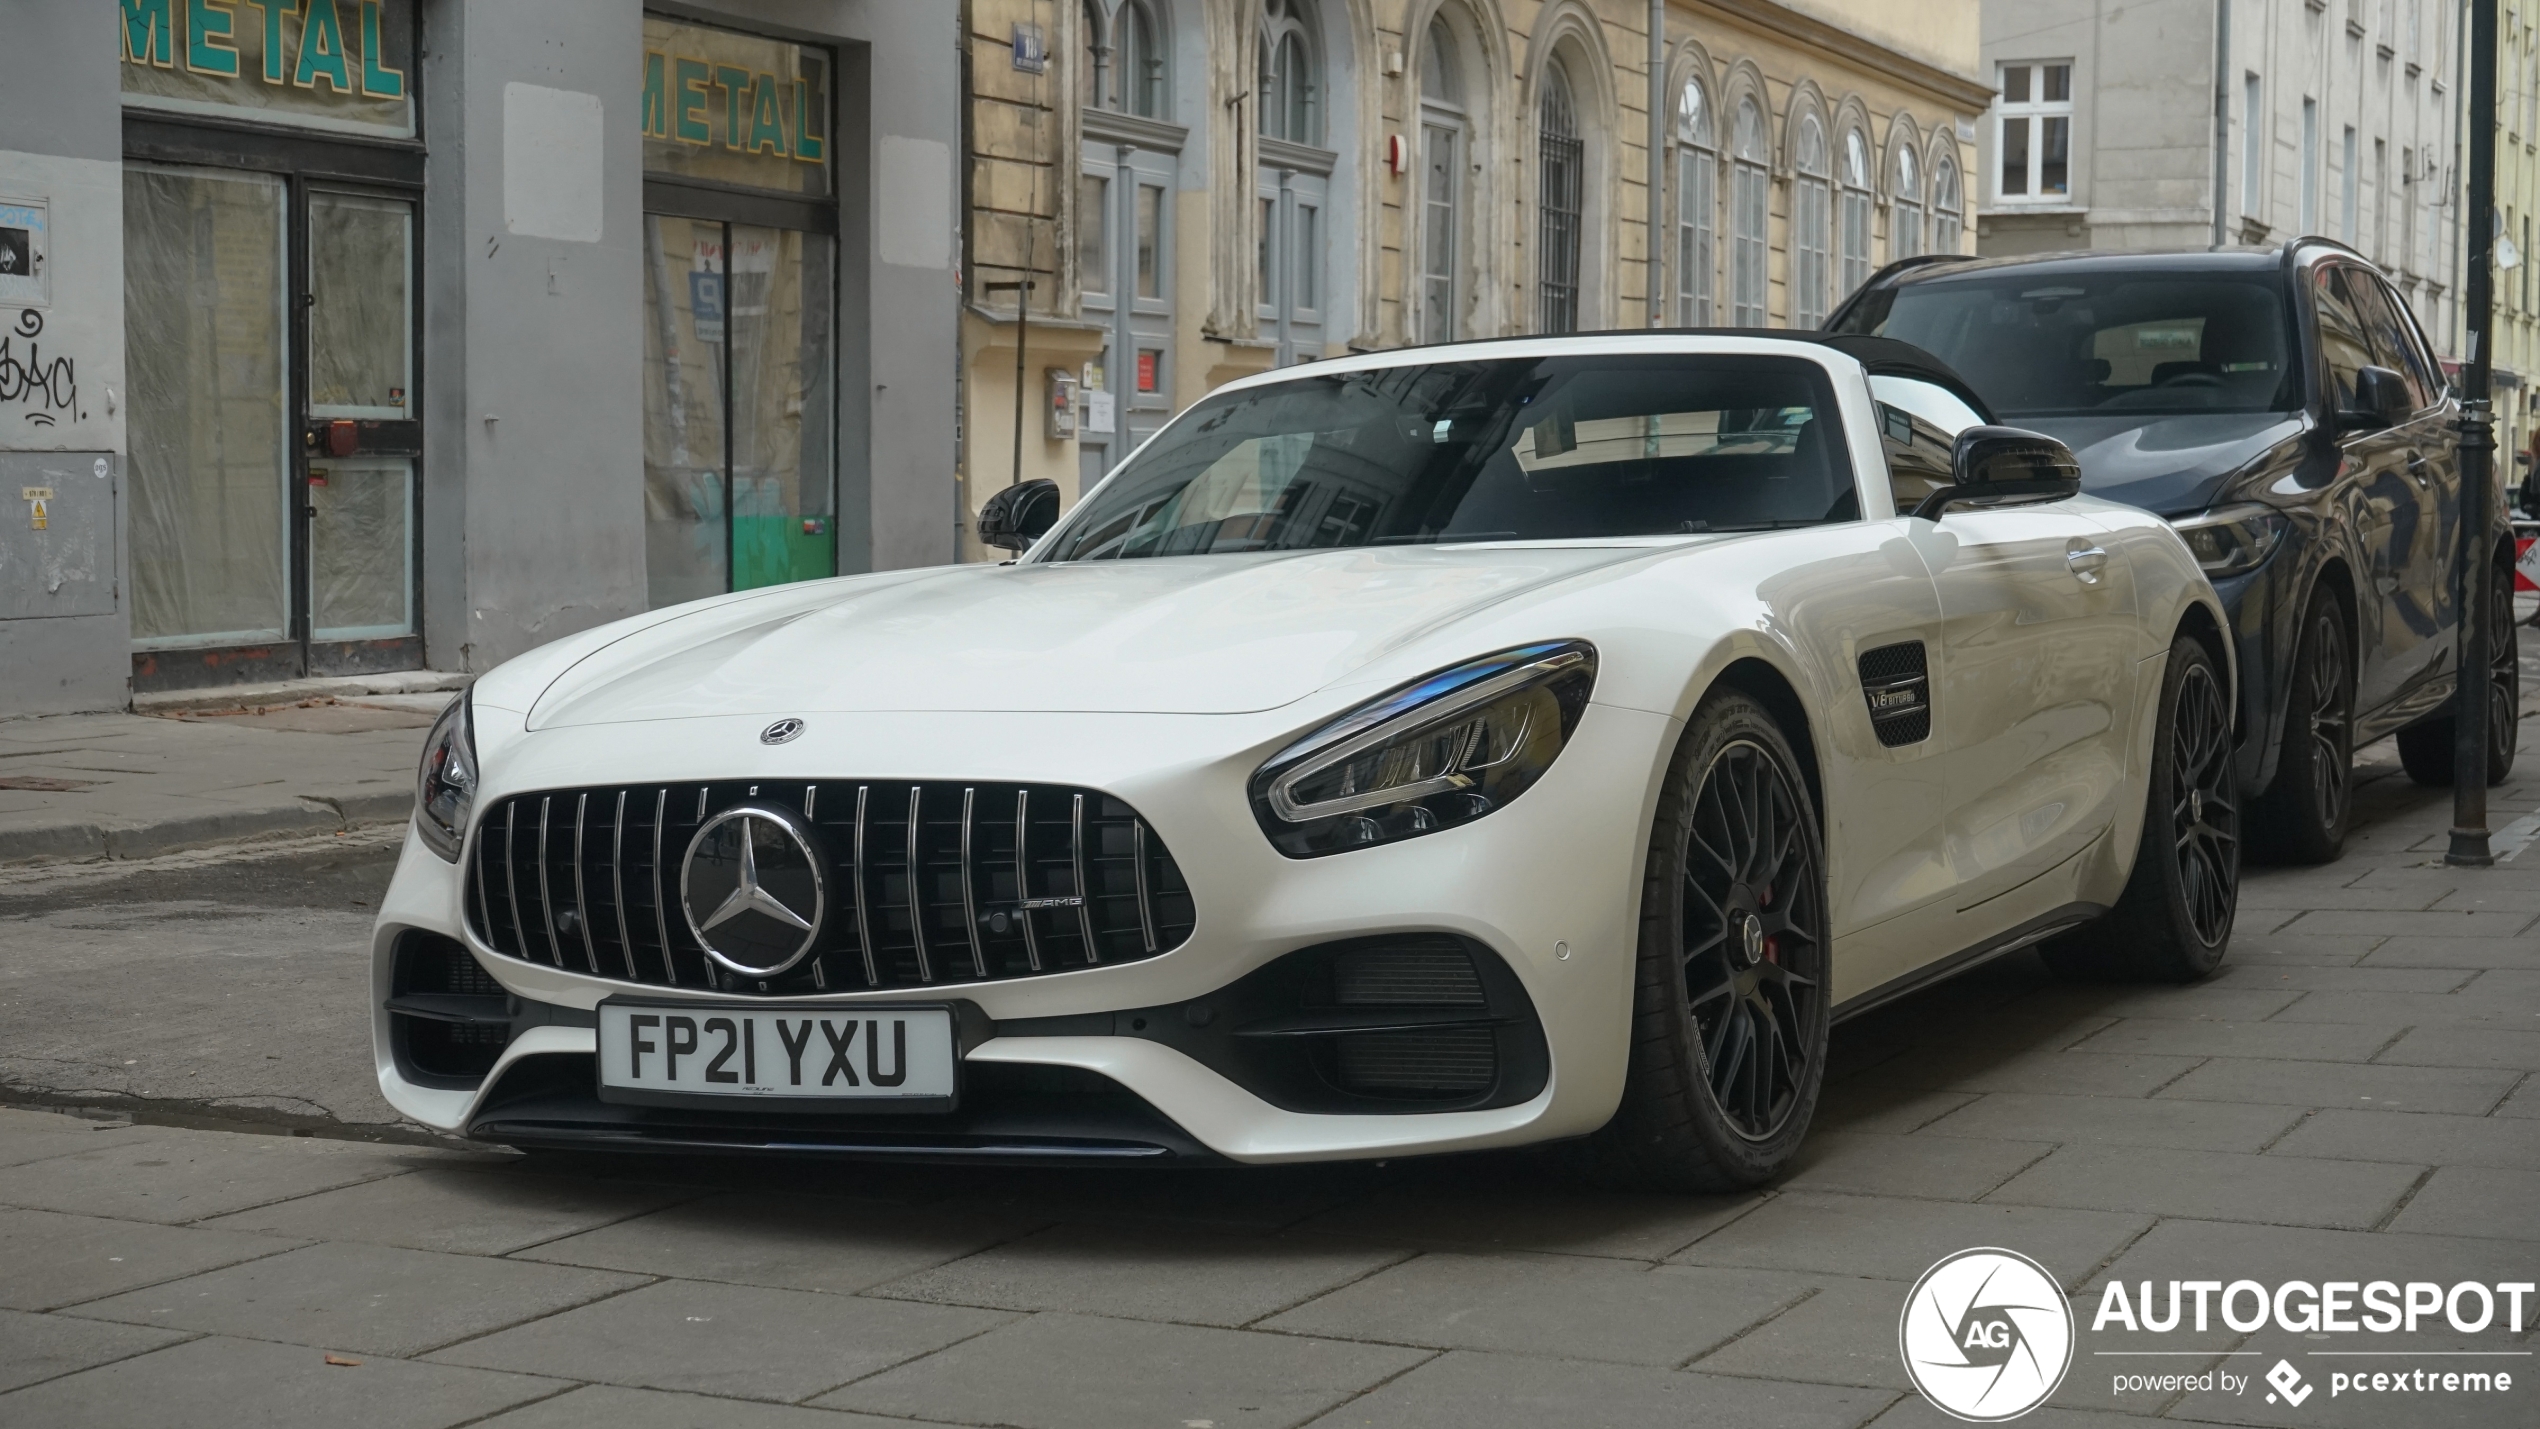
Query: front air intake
[[1896, 683]]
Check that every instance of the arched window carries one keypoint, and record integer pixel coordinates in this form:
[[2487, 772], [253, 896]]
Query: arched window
[[1291, 85], [1697, 204], [1853, 219], [1905, 213], [1749, 198], [1443, 137], [1560, 197], [1946, 216], [1124, 57], [1811, 221]]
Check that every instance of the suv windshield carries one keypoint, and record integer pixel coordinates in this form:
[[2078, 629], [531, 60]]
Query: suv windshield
[[1516, 449], [2151, 342]]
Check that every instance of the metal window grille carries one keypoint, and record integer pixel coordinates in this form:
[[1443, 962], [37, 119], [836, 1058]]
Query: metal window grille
[[1560, 199]]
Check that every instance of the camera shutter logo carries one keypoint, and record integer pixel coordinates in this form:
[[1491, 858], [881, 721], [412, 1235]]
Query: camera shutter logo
[[1986, 1335]]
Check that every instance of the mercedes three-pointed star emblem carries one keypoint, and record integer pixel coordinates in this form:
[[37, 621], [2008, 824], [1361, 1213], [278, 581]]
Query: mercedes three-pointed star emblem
[[761, 875]]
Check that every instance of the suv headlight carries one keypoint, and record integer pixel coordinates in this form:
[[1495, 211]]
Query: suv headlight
[[1440, 751], [2229, 540], [445, 787]]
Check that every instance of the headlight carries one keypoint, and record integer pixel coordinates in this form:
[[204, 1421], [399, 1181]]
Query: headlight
[[445, 788], [2229, 540], [1435, 753]]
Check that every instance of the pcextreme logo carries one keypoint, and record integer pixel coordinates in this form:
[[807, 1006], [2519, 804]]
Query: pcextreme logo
[[1986, 1335]]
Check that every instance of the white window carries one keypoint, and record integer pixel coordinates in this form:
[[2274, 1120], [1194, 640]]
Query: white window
[[2033, 132], [1442, 162], [2347, 194], [2310, 165], [1749, 195], [2253, 146], [2380, 201], [1948, 219], [1852, 231], [1905, 213], [1697, 200], [1811, 225]]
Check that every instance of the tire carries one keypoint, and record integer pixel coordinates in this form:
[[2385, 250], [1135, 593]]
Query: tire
[[2307, 810], [2425, 748], [2174, 919], [1729, 998]]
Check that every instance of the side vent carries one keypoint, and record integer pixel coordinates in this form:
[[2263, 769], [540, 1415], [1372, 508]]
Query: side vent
[[1896, 681]]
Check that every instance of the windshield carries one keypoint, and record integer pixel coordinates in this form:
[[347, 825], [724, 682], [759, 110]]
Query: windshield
[[2100, 343], [1517, 449]]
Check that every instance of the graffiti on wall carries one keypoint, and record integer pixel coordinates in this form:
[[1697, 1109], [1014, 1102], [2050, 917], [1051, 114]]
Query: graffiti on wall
[[45, 385]]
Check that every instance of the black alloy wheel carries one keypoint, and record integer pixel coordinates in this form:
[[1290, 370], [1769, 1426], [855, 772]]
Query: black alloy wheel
[[1730, 983], [2425, 748], [2174, 919], [2204, 819], [1755, 938], [2307, 808]]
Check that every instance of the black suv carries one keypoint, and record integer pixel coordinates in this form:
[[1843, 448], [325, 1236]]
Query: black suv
[[2284, 410]]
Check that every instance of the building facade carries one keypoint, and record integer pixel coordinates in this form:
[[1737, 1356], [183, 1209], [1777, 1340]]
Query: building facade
[[1163, 195], [384, 334], [2191, 123]]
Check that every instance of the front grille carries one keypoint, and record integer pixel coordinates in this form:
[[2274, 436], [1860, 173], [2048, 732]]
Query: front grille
[[1450, 1061], [1407, 972], [1896, 683], [937, 883]]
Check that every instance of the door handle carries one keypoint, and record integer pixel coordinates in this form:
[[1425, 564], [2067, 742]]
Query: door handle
[[2086, 561]]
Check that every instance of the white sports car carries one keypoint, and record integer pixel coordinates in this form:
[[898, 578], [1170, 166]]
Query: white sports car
[[1428, 750]]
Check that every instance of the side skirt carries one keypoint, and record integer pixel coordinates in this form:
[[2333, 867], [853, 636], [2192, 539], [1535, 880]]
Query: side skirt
[[2035, 930]]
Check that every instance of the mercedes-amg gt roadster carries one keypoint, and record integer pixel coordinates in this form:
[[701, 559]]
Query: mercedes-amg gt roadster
[[1427, 750]]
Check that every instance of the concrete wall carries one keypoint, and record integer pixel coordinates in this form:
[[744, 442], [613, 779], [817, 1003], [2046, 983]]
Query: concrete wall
[[534, 412], [65, 629]]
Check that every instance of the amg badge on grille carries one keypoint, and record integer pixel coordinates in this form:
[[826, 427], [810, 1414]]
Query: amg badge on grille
[[755, 889]]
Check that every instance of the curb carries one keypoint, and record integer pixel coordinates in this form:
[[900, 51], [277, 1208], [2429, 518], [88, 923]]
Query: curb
[[292, 692], [300, 816]]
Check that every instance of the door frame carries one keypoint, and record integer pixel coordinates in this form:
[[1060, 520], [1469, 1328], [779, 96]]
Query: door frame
[[338, 163]]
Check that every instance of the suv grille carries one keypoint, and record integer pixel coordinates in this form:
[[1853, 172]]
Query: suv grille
[[937, 883]]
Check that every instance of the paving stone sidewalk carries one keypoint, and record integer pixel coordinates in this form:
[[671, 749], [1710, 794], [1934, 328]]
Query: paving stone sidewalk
[[2353, 1097], [316, 760]]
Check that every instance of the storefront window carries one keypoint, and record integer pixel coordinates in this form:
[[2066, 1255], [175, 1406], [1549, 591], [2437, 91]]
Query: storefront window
[[740, 466], [210, 462]]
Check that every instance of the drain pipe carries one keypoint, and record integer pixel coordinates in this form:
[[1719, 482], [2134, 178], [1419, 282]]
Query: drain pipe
[[2222, 120], [1657, 159]]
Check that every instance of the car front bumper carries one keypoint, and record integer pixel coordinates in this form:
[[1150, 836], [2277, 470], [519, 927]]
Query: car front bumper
[[1546, 887]]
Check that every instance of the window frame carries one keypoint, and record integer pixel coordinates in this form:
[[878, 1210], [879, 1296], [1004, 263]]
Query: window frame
[[2034, 115]]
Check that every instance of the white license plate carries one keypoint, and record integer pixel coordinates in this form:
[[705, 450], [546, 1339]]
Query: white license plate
[[879, 1054]]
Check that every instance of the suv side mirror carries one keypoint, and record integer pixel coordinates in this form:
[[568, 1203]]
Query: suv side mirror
[[1019, 515], [2000, 463], [2382, 399]]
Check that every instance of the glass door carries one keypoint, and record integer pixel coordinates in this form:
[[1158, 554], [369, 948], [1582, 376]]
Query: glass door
[[207, 336], [739, 431], [1291, 273], [362, 430]]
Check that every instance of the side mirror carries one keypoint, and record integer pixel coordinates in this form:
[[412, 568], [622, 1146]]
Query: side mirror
[[2003, 463], [2382, 399], [1019, 515]]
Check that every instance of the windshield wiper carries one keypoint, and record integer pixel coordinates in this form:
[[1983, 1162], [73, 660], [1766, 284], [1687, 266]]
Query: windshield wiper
[[1441, 537]]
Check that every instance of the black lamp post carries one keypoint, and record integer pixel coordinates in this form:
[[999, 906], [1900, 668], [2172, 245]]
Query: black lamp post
[[2478, 446]]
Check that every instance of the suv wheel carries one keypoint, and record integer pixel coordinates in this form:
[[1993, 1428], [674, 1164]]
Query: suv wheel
[[2425, 748], [2305, 813], [2174, 919]]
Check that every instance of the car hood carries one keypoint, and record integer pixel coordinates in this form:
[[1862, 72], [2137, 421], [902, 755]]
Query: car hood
[[2167, 465], [1183, 635]]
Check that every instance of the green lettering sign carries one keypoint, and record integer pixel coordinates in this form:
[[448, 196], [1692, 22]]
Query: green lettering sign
[[149, 33], [322, 50], [656, 98], [767, 125], [378, 80], [274, 11], [808, 147], [208, 49], [735, 83], [689, 102]]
